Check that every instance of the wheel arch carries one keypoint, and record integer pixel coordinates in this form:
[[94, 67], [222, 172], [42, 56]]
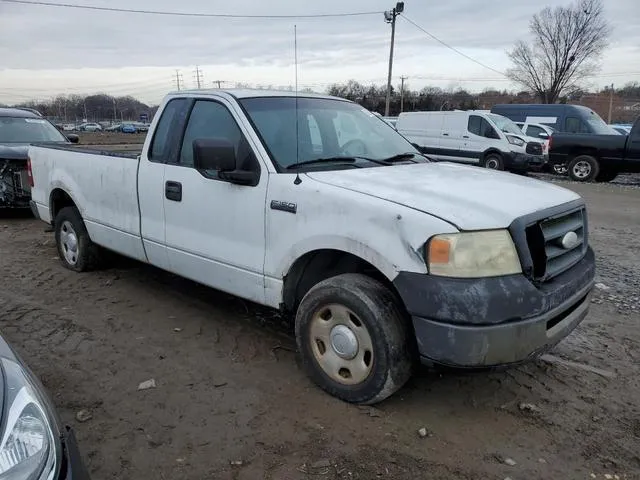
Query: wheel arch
[[59, 198], [317, 265], [491, 150]]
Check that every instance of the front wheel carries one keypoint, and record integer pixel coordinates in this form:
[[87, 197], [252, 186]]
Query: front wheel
[[494, 161], [353, 340], [583, 168]]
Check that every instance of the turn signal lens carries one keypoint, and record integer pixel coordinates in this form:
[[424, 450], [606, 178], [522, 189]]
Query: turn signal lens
[[439, 250]]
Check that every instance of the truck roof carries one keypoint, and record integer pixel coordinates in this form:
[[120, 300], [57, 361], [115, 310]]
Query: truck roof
[[17, 112], [252, 93]]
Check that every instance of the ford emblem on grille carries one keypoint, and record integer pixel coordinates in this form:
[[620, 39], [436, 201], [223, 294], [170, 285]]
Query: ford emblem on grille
[[569, 240]]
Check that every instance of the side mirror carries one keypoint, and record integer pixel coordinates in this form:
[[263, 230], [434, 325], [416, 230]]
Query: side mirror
[[543, 135], [73, 138], [214, 154]]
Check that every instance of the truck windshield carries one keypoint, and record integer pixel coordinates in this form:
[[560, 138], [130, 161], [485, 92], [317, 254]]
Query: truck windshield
[[504, 124], [28, 130], [326, 128]]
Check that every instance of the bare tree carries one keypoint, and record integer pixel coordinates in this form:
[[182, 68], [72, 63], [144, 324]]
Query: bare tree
[[566, 48]]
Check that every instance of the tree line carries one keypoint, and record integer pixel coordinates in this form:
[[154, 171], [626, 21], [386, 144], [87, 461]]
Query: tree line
[[430, 98], [92, 108]]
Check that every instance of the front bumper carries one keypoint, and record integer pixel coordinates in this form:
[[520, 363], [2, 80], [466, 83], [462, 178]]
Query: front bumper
[[73, 467], [494, 321], [524, 161]]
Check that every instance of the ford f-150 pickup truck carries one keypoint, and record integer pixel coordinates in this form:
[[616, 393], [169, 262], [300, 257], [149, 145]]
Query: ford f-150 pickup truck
[[313, 205], [597, 158]]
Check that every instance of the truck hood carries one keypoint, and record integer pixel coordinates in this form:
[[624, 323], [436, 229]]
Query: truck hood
[[471, 198]]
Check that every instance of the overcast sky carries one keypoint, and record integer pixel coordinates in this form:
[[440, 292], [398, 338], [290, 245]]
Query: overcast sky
[[48, 50]]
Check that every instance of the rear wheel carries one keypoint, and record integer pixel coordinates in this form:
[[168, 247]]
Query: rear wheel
[[583, 168], [75, 248], [494, 161], [353, 340]]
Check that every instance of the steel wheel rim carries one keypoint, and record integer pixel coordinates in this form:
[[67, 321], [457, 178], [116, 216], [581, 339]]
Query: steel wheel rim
[[69, 242], [582, 169], [492, 164], [341, 344]]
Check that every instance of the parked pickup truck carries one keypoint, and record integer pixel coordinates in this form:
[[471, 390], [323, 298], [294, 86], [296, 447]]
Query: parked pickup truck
[[597, 158], [315, 206]]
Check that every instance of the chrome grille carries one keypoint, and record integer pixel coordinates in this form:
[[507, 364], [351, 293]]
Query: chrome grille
[[559, 258]]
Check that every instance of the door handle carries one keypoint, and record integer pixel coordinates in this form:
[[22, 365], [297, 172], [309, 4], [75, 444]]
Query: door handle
[[445, 134], [173, 191], [465, 136]]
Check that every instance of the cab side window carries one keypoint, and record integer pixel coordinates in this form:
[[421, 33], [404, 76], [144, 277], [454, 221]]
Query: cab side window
[[533, 131], [575, 125], [170, 123], [212, 120]]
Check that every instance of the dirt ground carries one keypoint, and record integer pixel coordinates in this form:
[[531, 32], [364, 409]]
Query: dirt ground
[[231, 403], [110, 138]]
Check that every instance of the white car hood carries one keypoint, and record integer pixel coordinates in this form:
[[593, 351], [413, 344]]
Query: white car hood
[[471, 198]]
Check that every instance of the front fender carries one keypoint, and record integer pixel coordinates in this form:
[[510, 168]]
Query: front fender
[[342, 244]]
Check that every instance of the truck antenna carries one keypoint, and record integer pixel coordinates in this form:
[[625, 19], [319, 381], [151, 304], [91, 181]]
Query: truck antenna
[[298, 180]]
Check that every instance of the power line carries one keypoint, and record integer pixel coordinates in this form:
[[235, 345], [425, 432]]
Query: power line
[[186, 14], [451, 47]]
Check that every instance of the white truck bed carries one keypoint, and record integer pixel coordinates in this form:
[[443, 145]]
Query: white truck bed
[[106, 194]]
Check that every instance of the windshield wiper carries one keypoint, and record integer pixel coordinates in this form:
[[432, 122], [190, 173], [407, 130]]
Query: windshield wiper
[[400, 157], [348, 160]]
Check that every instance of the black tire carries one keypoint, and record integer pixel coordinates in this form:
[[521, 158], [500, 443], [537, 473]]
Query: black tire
[[583, 168], [606, 176], [87, 256], [493, 161], [377, 309]]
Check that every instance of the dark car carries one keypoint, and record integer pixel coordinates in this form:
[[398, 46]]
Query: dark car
[[18, 129], [596, 157], [35, 444], [561, 117]]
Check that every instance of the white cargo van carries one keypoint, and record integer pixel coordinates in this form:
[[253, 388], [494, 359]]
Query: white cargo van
[[475, 137]]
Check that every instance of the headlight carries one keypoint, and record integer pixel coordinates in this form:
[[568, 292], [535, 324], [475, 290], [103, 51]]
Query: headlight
[[515, 141], [28, 447], [473, 254]]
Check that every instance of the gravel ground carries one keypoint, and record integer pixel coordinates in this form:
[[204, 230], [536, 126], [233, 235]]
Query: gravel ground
[[231, 403]]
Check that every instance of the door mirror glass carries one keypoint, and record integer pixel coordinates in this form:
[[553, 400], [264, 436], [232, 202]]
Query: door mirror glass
[[73, 138], [214, 154]]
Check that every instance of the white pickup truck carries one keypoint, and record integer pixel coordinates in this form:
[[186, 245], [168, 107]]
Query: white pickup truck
[[315, 206]]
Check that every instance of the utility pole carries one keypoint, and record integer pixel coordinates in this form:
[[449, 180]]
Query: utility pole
[[610, 103], [198, 76], [402, 79], [390, 17], [115, 114], [219, 83], [179, 81]]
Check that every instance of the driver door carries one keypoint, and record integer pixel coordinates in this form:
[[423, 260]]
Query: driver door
[[215, 230]]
